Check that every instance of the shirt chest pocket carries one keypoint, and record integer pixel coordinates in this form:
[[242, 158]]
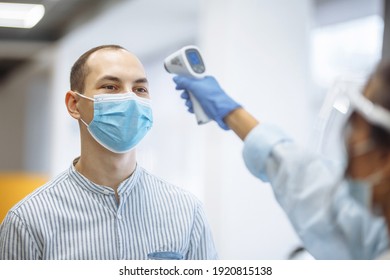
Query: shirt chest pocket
[[165, 256]]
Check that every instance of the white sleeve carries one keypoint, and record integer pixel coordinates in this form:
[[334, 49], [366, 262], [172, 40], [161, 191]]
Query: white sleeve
[[329, 222]]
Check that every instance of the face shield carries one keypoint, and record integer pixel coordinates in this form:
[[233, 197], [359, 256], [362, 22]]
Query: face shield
[[331, 122], [345, 97]]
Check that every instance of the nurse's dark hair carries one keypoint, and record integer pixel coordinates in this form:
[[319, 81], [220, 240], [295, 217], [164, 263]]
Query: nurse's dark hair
[[378, 91], [80, 69]]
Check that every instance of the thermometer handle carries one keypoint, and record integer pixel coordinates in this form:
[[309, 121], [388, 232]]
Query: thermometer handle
[[201, 116]]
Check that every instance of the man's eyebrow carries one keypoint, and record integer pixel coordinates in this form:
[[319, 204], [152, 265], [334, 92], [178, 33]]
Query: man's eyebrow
[[141, 81], [116, 79], [109, 78]]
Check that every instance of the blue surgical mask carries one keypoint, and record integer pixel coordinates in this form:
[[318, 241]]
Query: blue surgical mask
[[120, 121], [361, 190]]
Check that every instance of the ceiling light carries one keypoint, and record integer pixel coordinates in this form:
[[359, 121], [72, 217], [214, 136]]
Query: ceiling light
[[20, 15]]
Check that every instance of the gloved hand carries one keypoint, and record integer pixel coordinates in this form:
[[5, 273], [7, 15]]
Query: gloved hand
[[214, 101]]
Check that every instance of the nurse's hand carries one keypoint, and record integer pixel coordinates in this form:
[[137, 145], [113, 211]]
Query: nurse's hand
[[213, 99]]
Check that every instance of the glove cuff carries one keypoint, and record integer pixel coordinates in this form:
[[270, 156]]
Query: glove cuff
[[231, 107]]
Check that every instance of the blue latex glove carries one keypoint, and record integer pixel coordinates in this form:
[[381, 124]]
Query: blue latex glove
[[214, 101]]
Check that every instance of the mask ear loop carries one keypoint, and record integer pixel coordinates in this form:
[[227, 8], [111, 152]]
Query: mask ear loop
[[85, 97], [84, 122]]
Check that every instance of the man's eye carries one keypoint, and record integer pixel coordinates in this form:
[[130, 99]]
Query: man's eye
[[110, 87], [140, 90]]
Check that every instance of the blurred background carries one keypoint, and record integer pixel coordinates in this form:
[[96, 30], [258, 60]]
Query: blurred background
[[277, 58]]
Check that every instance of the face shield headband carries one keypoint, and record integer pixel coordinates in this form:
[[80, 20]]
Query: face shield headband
[[373, 113]]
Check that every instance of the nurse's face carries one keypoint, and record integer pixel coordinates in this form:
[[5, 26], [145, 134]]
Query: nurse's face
[[367, 161], [363, 157]]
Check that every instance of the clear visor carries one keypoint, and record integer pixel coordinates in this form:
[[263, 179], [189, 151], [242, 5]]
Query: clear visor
[[350, 98], [342, 99]]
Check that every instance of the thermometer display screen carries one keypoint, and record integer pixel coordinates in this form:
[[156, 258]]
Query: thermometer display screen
[[195, 60]]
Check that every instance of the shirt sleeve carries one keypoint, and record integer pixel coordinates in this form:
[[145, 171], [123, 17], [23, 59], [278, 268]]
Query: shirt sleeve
[[201, 245], [329, 222], [15, 240]]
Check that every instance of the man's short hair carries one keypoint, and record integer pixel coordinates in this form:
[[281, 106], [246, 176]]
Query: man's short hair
[[80, 70]]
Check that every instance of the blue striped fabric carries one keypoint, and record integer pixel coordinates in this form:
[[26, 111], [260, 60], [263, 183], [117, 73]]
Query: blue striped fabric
[[72, 218]]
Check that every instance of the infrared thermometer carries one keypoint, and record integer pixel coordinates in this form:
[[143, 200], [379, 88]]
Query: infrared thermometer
[[188, 62]]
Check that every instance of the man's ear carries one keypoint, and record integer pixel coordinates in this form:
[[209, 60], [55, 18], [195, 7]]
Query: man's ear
[[71, 104]]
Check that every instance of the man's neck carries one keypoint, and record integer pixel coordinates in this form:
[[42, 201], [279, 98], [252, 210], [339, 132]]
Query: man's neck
[[106, 168]]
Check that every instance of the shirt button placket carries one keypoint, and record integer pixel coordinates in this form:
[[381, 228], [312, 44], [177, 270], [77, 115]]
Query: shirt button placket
[[119, 218]]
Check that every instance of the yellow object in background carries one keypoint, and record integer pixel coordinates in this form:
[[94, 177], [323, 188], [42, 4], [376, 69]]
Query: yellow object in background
[[15, 186]]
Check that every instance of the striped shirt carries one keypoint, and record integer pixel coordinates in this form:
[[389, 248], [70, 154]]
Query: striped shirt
[[73, 218]]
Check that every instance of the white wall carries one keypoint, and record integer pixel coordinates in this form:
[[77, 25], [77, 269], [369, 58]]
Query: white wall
[[259, 52]]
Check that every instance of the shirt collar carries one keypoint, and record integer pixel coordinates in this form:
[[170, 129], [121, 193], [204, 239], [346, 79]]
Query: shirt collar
[[124, 188]]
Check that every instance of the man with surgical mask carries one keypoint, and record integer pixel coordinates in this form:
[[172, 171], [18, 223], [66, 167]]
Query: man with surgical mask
[[335, 218], [105, 206]]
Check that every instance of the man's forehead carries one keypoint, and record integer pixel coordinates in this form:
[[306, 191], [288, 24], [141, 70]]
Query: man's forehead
[[111, 54], [106, 60]]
